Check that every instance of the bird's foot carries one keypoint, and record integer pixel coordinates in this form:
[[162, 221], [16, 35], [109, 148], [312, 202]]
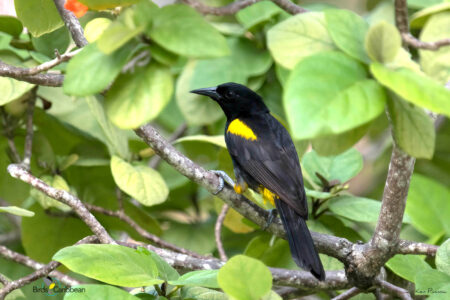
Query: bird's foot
[[223, 177], [272, 215]]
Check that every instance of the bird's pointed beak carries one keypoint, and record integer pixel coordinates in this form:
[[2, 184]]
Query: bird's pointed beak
[[210, 92]]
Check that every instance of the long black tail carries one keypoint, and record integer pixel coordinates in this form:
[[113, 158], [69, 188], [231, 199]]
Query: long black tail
[[300, 241]]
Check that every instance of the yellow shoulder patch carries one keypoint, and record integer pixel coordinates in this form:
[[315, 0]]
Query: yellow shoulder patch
[[237, 127], [268, 196]]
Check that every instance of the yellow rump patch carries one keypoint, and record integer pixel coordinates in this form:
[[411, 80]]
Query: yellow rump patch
[[237, 127], [268, 196]]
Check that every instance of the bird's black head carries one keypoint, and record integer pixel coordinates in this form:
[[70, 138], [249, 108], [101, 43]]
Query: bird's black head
[[235, 99]]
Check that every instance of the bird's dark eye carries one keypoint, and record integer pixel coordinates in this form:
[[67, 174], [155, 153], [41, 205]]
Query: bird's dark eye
[[229, 94]]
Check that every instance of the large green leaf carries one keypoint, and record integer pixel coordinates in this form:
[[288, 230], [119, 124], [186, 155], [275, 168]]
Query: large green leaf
[[413, 87], [141, 182], [257, 13], [18, 211], [204, 278], [329, 93], [271, 253], [298, 37], [428, 206], [436, 64], [47, 20], [413, 129], [180, 29], [443, 257], [407, 266], [165, 271], [11, 25], [355, 208], [139, 96], [113, 264], [105, 4], [181, 235], [218, 140], [91, 70], [255, 279], [56, 40], [43, 235], [382, 42], [433, 283], [348, 31], [98, 291], [201, 293], [342, 167]]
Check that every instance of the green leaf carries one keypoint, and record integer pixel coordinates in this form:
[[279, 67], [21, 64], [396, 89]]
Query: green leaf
[[433, 283], [320, 100], [413, 129], [336, 144], [141, 182], [204, 278], [358, 209], [348, 31], [407, 266], [165, 271], [423, 3], [443, 257], [436, 64], [216, 139], [200, 293], [180, 29], [11, 25], [257, 13], [56, 40], [427, 205], [299, 36], [139, 96], [413, 87], [119, 32], [181, 235], [382, 42], [255, 279], [115, 139], [47, 21], [43, 235], [105, 4], [98, 291], [421, 17], [90, 71], [46, 202], [342, 167], [94, 28], [12, 89], [272, 252], [318, 195], [18, 211], [113, 264]]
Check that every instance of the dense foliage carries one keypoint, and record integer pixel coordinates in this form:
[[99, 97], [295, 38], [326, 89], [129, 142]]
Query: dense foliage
[[329, 75]]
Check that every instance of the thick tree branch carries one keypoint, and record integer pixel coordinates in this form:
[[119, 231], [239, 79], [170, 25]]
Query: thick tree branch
[[40, 79], [65, 197], [30, 130], [144, 233], [41, 270], [401, 20], [218, 230], [72, 23]]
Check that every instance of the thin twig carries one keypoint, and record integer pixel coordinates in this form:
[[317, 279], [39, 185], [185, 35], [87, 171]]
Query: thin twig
[[3, 280], [144, 233], [72, 23], [29, 136], [218, 230], [51, 63], [40, 79], [396, 290], [348, 294], [65, 197]]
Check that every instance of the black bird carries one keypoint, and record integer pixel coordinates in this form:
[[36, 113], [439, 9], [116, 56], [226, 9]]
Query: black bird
[[264, 159]]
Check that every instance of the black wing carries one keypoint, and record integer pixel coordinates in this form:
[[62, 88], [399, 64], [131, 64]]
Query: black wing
[[271, 160]]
